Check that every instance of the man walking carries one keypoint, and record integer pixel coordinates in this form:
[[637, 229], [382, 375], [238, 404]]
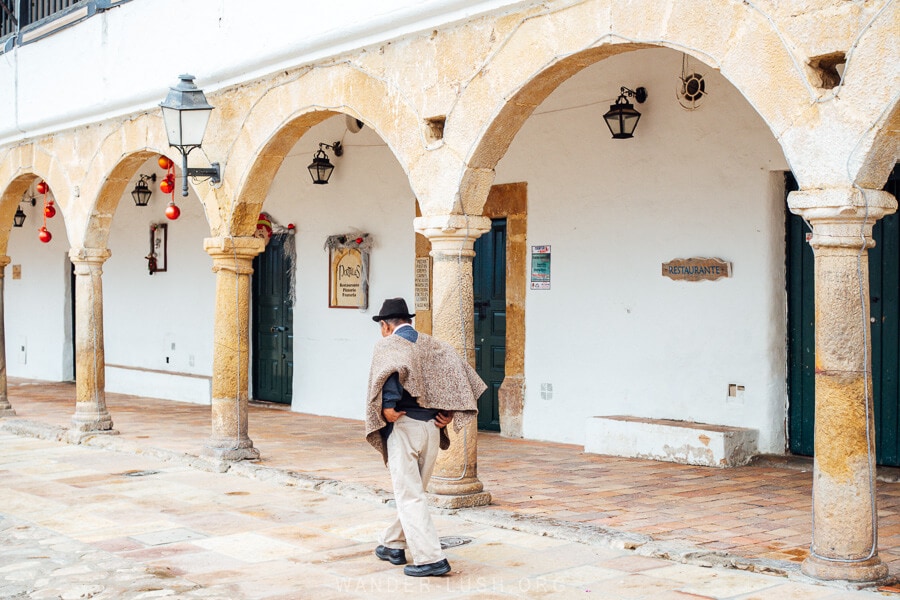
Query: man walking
[[417, 386]]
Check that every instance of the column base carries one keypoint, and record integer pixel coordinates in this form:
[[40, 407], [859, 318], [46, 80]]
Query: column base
[[7, 412], [460, 501], [454, 487], [230, 450], [92, 424], [76, 436], [870, 571]]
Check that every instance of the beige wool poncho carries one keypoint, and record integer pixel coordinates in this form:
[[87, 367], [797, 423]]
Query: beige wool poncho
[[432, 372]]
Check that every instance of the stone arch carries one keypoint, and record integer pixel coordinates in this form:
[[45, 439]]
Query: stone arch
[[732, 37], [115, 161], [883, 153], [19, 168], [873, 99], [285, 112]]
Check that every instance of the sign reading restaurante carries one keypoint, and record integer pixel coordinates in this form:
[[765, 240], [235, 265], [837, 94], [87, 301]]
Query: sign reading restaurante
[[696, 269]]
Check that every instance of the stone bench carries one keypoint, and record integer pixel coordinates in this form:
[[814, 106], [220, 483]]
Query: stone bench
[[672, 441]]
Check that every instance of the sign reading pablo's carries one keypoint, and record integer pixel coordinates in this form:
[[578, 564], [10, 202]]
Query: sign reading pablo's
[[348, 273], [696, 269]]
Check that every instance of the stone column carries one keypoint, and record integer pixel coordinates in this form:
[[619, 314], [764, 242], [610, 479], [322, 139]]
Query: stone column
[[91, 416], [6, 409], [232, 264], [845, 523], [455, 482]]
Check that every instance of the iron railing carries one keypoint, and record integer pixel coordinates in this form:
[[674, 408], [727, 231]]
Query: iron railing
[[16, 14]]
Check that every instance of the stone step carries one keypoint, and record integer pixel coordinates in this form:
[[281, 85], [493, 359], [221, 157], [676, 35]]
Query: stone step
[[682, 442]]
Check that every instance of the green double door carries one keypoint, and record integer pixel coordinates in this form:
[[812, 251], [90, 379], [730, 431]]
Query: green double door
[[884, 295], [273, 320], [489, 283]]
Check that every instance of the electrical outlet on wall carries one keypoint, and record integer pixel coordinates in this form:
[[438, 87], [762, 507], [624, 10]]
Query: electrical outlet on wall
[[735, 394], [546, 391]]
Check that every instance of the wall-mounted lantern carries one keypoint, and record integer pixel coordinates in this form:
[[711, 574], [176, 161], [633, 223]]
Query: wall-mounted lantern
[[622, 118], [320, 169], [141, 192], [186, 114], [19, 217]]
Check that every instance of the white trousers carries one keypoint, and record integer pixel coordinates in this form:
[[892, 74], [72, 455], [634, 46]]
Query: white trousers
[[412, 448]]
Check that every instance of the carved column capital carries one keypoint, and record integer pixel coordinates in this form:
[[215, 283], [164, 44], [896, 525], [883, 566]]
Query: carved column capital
[[842, 217], [88, 259], [234, 254], [452, 235]]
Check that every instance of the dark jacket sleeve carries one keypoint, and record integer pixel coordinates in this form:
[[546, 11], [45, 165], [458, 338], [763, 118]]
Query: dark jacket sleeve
[[391, 392]]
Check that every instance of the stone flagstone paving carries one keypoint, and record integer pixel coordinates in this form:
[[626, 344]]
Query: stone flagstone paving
[[750, 512], [80, 522]]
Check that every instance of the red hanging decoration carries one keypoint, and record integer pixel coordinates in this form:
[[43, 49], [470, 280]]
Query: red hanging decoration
[[49, 211], [167, 186], [172, 211]]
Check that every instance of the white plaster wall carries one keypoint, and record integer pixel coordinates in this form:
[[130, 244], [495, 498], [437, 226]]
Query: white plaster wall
[[128, 56], [613, 336], [37, 309], [158, 329], [368, 192]]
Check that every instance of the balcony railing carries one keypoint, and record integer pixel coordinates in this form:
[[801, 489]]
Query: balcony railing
[[26, 12], [24, 21]]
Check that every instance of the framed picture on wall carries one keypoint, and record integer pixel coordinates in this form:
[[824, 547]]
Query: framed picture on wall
[[348, 270]]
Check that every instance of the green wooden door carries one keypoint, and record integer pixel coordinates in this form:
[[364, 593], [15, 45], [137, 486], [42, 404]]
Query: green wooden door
[[273, 337], [489, 279], [884, 289]]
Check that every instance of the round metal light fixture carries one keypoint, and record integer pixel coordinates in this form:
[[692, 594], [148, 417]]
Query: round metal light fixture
[[622, 117]]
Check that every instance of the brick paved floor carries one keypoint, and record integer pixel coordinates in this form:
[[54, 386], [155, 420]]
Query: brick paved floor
[[755, 511]]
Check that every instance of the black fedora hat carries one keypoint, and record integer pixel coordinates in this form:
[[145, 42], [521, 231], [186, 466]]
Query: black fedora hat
[[393, 308]]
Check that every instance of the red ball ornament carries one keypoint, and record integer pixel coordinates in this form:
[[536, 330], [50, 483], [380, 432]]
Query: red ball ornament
[[164, 162], [359, 240], [290, 226], [44, 235], [49, 210], [172, 211], [166, 186], [42, 187]]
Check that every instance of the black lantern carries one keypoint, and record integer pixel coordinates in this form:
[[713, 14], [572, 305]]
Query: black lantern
[[622, 118], [19, 218], [320, 168], [186, 114], [141, 193]]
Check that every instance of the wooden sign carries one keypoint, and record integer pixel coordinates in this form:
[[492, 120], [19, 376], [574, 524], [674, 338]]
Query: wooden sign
[[348, 270], [348, 288], [696, 269]]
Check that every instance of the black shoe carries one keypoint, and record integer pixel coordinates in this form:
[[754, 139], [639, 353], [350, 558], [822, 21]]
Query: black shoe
[[396, 557], [432, 570]]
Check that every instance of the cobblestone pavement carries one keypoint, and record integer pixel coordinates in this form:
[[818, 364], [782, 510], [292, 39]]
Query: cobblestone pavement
[[85, 522]]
